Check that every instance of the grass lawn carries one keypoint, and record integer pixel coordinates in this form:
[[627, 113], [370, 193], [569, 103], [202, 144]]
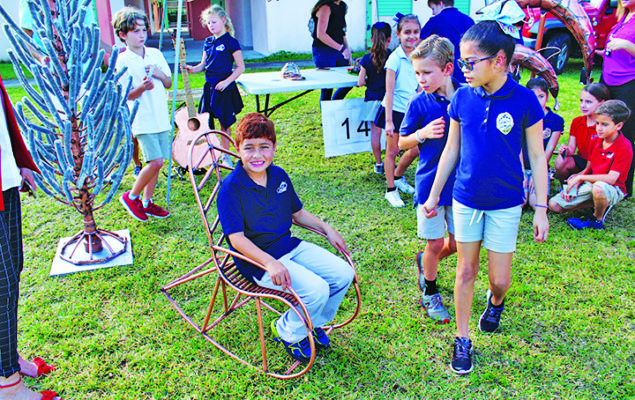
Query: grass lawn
[[568, 331]]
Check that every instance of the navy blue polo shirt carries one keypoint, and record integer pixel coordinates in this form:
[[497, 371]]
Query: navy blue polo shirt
[[422, 109], [219, 55], [375, 81], [452, 24], [263, 214], [550, 124], [489, 174]]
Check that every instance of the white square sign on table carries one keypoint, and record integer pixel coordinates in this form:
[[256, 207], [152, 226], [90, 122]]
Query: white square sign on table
[[344, 127]]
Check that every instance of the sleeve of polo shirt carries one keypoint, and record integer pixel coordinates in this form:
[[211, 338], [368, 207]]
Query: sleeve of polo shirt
[[296, 204], [559, 123], [453, 111], [623, 159], [534, 112], [392, 62], [163, 65], [234, 46], [413, 119], [229, 210]]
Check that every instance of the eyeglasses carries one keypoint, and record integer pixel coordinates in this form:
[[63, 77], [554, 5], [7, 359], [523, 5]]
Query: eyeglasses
[[469, 65]]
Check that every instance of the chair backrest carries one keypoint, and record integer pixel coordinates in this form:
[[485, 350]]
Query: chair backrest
[[206, 150]]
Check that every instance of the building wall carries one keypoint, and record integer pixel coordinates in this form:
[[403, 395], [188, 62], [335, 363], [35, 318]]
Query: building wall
[[286, 27]]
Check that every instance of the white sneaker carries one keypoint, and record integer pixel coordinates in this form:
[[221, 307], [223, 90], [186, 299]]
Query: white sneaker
[[403, 185], [394, 199]]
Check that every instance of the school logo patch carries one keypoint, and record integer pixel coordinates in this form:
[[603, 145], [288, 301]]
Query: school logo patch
[[282, 188], [220, 48], [505, 122], [546, 133]]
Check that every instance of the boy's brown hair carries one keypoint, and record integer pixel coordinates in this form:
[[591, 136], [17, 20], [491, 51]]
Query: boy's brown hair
[[255, 126], [126, 19], [617, 110], [439, 48]]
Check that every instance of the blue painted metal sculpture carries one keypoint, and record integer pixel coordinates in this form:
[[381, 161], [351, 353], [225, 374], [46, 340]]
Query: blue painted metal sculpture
[[75, 117]]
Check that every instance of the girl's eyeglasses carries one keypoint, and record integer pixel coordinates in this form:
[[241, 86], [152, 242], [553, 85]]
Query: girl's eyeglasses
[[469, 65]]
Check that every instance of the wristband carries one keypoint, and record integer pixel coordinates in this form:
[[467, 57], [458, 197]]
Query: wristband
[[342, 49], [541, 206], [419, 137]]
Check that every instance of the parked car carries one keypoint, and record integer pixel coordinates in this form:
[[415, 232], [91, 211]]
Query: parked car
[[557, 36]]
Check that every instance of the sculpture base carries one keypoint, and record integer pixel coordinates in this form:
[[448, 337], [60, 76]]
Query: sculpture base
[[73, 256]]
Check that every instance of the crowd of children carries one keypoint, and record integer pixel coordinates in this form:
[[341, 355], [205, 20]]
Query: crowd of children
[[481, 159]]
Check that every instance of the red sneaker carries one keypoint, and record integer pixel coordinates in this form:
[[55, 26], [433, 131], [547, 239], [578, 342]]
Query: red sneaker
[[156, 211], [134, 207]]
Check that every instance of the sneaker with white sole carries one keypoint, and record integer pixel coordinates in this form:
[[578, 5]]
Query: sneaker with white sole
[[491, 317], [403, 185], [394, 199], [379, 168], [462, 356], [134, 207], [433, 305]]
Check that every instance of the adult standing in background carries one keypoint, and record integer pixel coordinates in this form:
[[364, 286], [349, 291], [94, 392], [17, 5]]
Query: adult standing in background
[[330, 48], [618, 72], [448, 22]]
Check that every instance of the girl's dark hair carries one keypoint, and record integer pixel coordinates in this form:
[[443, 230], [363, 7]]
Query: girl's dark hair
[[319, 5], [407, 18], [538, 83], [490, 39], [379, 34], [598, 90]]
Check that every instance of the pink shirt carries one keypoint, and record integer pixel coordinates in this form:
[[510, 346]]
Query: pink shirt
[[619, 67]]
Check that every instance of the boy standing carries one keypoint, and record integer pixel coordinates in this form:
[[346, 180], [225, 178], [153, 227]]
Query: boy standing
[[426, 125], [256, 205], [150, 77], [601, 183]]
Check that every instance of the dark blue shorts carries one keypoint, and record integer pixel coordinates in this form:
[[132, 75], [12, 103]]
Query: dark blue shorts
[[579, 161], [380, 119]]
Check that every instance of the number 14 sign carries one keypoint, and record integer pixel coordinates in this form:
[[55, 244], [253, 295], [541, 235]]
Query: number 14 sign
[[344, 127]]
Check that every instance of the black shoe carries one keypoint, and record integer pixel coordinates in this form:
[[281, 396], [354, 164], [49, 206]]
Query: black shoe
[[491, 317], [462, 357]]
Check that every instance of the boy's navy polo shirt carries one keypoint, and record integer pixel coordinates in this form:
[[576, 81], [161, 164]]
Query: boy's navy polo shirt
[[375, 81], [489, 174], [263, 214], [452, 24], [423, 109], [550, 124], [219, 55]]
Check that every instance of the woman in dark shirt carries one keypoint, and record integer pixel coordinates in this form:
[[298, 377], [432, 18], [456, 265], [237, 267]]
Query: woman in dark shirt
[[330, 48]]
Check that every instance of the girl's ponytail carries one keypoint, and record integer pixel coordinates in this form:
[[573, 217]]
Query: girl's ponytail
[[379, 35]]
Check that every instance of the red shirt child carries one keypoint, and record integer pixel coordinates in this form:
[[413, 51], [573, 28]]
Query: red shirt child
[[616, 157], [583, 134]]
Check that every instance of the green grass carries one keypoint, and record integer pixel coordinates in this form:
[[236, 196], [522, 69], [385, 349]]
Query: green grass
[[568, 331]]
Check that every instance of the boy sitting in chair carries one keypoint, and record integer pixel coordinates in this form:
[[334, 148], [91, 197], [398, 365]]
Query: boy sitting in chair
[[257, 204]]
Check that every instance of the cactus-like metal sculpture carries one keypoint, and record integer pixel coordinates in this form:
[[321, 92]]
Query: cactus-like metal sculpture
[[79, 134]]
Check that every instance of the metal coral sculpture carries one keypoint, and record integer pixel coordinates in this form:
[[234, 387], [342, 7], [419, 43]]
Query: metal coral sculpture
[[79, 134]]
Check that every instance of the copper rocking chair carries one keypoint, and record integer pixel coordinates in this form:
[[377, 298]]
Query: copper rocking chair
[[206, 151]]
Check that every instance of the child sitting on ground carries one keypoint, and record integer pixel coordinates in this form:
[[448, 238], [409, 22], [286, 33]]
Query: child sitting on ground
[[150, 77], [601, 183], [552, 127], [426, 125], [256, 205]]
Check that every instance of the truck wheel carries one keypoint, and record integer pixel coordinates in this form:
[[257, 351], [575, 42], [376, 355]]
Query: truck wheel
[[560, 41]]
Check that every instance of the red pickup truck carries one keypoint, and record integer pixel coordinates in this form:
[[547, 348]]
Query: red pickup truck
[[556, 35]]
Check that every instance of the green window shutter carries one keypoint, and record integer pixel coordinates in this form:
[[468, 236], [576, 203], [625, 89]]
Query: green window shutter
[[391, 7], [463, 6]]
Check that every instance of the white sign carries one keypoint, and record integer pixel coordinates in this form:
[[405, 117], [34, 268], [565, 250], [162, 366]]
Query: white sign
[[344, 128]]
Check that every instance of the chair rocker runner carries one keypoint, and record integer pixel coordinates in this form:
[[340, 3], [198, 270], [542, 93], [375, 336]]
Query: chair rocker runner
[[235, 290]]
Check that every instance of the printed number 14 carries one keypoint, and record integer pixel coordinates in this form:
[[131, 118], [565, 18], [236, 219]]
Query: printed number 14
[[362, 128]]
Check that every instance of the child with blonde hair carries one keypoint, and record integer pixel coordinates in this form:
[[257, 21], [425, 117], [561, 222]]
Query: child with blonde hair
[[221, 98]]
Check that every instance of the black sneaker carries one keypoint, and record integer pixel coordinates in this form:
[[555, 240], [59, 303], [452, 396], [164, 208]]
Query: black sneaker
[[491, 317], [462, 357]]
